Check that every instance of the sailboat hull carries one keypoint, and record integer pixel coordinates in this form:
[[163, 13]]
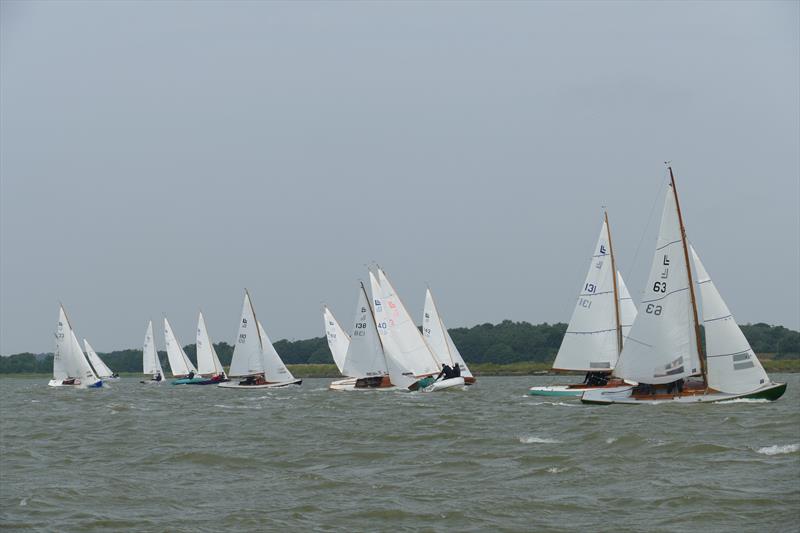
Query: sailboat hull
[[624, 395], [569, 391], [444, 384], [349, 384], [75, 384], [240, 385], [192, 381]]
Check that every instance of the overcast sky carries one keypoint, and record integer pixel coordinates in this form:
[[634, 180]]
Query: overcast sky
[[159, 157]]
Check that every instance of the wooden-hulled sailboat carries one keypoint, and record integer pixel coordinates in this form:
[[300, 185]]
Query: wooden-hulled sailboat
[[338, 342], [365, 359], [151, 364], [439, 340], [208, 365], [100, 368], [664, 349], [410, 361], [179, 363], [599, 324], [70, 366], [254, 357]]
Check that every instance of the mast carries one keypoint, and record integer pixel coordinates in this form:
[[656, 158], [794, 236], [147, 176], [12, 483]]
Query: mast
[[616, 288], [700, 354]]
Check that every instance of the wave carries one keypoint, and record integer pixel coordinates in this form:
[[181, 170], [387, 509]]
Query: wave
[[746, 400], [556, 470], [779, 449], [528, 439]]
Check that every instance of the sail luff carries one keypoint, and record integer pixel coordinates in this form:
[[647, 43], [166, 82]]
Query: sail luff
[[616, 288], [699, 345]]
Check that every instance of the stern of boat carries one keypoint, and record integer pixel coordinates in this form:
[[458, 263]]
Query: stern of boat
[[607, 395]]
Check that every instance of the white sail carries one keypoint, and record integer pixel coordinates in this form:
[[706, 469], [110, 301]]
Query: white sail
[[247, 359], [274, 369], [207, 361], [338, 340], [411, 348], [590, 342], [179, 363], [364, 357], [151, 364], [661, 346], [100, 368], [627, 309], [68, 359], [438, 338], [400, 373], [732, 366]]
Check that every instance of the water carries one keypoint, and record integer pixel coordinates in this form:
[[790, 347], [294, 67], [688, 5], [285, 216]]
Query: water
[[189, 458]]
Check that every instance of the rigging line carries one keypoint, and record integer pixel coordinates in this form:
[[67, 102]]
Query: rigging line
[[632, 264]]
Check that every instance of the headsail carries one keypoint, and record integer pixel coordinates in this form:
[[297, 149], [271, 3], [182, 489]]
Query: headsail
[[364, 357], [274, 369], [247, 360], [338, 340], [627, 309], [438, 338], [100, 368], [179, 362], [732, 365], [590, 343], [207, 361], [661, 346], [151, 364]]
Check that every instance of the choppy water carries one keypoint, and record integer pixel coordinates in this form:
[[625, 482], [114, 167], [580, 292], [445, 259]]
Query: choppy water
[[189, 458]]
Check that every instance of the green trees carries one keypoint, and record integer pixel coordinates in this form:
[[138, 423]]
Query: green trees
[[503, 343]]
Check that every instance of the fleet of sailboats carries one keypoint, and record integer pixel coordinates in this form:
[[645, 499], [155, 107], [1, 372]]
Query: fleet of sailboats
[[628, 357]]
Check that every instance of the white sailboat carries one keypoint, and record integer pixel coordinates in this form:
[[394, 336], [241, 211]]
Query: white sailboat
[[179, 363], [338, 342], [409, 358], [254, 357], [664, 346], [599, 324], [208, 365], [100, 368], [151, 364], [365, 360], [439, 340], [70, 366]]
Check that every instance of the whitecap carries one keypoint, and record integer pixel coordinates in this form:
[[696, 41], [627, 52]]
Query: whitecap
[[779, 449], [23, 502], [746, 400], [611, 440], [537, 440], [556, 470]]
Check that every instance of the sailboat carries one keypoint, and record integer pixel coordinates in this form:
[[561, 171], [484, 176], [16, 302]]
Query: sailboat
[[439, 340], [100, 368], [208, 365], [599, 324], [663, 360], [338, 342], [70, 366], [365, 359], [410, 361], [254, 357], [151, 364], [179, 363]]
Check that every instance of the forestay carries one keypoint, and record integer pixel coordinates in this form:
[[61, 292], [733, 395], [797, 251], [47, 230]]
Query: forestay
[[101, 369], [207, 361], [151, 364], [590, 342], [438, 338], [247, 360], [412, 350], [732, 366], [661, 345], [338, 340], [179, 362], [364, 357]]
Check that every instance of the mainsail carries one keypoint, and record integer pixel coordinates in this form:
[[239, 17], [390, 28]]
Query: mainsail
[[364, 357], [207, 361], [151, 364], [338, 340], [662, 344], [732, 365], [400, 373], [438, 338], [101, 369], [179, 362], [246, 360], [591, 342]]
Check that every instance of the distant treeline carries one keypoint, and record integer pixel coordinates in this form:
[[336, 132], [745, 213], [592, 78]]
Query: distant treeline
[[504, 343]]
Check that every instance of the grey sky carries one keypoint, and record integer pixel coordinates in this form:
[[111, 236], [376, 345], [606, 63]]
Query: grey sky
[[161, 156]]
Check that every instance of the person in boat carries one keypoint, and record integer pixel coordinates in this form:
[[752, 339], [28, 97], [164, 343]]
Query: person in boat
[[446, 373], [249, 380], [191, 375], [157, 377], [456, 370]]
